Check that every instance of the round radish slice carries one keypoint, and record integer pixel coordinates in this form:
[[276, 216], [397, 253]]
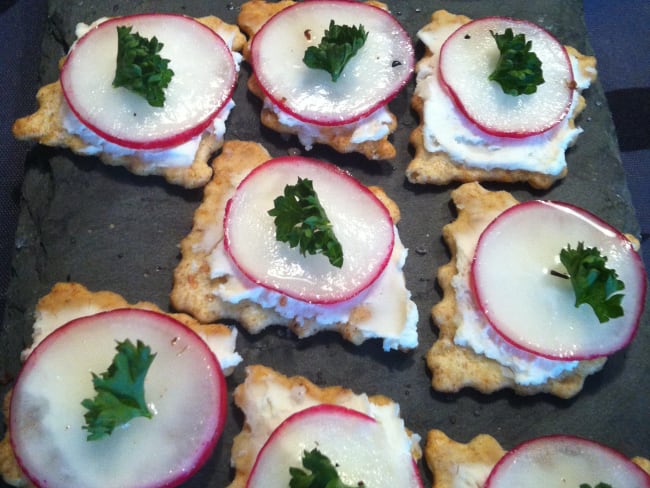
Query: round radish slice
[[535, 310], [204, 78], [360, 222], [370, 79], [563, 460], [184, 389], [357, 445], [470, 55]]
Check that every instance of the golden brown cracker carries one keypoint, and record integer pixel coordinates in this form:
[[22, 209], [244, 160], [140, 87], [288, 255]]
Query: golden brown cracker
[[194, 292], [46, 127], [454, 367], [469, 464], [251, 18], [439, 168], [297, 391]]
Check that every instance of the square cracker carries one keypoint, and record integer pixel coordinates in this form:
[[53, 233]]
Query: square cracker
[[469, 464], [251, 18], [290, 394], [196, 293], [454, 367], [45, 126], [439, 168], [68, 301]]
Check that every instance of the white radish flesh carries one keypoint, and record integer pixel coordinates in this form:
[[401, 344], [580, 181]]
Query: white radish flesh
[[565, 461], [371, 78], [360, 222], [470, 55], [534, 310], [356, 444], [184, 389], [204, 78]]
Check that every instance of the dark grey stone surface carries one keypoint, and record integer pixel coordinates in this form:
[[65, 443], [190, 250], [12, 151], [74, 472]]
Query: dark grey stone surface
[[107, 229]]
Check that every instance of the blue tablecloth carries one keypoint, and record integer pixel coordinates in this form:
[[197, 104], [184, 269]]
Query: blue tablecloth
[[617, 32]]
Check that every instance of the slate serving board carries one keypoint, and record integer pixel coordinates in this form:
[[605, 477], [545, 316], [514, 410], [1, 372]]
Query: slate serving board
[[109, 230]]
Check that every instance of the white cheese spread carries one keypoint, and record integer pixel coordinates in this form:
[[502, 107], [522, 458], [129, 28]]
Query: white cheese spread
[[373, 127], [476, 333], [269, 403], [447, 130], [393, 315]]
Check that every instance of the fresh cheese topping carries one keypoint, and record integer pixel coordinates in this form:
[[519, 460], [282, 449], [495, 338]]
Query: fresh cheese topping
[[267, 403], [476, 333], [446, 129], [373, 127]]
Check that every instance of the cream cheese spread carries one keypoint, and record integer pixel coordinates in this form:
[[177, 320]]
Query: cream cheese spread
[[373, 127], [447, 130], [393, 315], [223, 346], [476, 333], [178, 156], [269, 403]]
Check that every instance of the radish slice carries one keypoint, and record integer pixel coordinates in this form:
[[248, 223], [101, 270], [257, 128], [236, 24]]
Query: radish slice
[[356, 444], [535, 310], [470, 55], [204, 79], [370, 80], [563, 460], [360, 222], [184, 389]]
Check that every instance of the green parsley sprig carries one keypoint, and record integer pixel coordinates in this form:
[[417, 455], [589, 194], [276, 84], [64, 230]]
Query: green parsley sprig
[[599, 485], [301, 221], [322, 473], [119, 391], [593, 282], [339, 44], [139, 66], [518, 70]]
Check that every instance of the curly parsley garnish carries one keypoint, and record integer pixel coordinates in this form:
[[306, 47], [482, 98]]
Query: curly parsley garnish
[[322, 473], [599, 485], [593, 282], [336, 48], [301, 221], [139, 66], [120, 391], [518, 70]]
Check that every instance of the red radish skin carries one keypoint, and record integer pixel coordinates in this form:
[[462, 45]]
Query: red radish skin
[[470, 54], [184, 388], [372, 78], [567, 461], [202, 84], [360, 221], [520, 247], [353, 441]]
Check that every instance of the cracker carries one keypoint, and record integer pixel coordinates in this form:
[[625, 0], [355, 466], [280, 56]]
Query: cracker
[[196, 293], [68, 301], [46, 127], [438, 167], [251, 18], [469, 464], [454, 367], [290, 394]]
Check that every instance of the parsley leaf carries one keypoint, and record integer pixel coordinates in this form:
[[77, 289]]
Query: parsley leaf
[[593, 283], [518, 70], [336, 48], [301, 220], [599, 485], [120, 391], [323, 473], [139, 66]]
